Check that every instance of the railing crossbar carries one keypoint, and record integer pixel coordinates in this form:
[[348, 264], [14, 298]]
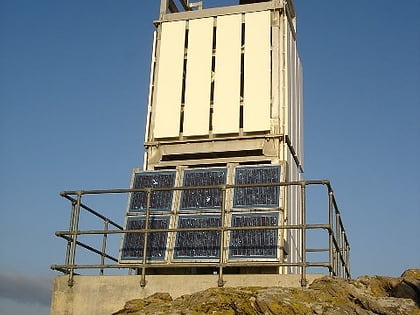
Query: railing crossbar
[[90, 248], [194, 229]]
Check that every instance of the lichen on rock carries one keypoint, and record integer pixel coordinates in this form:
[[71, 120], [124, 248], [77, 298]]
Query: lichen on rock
[[327, 295]]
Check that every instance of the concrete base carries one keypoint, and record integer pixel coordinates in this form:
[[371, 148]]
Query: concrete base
[[99, 295]]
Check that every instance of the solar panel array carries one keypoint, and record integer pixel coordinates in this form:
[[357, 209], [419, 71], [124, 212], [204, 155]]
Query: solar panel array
[[201, 208]]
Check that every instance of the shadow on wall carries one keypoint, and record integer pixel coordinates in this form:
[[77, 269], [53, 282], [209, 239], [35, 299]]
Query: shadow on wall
[[251, 1]]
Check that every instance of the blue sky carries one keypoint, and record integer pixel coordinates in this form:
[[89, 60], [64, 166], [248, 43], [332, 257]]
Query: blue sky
[[74, 77]]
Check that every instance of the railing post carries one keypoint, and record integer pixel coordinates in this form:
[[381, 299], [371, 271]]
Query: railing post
[[330, 231], [348, 274], [220, 281], [303, 280], [75, 228], [104, 240], [146, 234], [342, 253], [69, 241], [337, 241]]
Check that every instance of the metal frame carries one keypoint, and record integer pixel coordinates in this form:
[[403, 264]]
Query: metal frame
[[169, 11], [338, 244]]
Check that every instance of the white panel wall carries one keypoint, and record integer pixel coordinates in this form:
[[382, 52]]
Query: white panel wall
[[227, 74], [294, 108], [300, 150], [169, 80], [198, 79], [292, 89], [257, 83], [150, 96]]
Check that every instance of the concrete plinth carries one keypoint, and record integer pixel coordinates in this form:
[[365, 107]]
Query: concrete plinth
[[99, 295]]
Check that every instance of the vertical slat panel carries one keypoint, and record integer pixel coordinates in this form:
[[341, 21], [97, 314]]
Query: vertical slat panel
[[257, 89], [169, 80], [151, 90], [287, 120], [227, 74], [300, 116], [292, 84], [294, 106], [198, 80]]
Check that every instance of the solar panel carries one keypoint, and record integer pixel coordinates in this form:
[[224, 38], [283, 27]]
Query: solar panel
[[203, 198], [254, 243], [200, 244], [257, 196], [159, 200], [133, 244]]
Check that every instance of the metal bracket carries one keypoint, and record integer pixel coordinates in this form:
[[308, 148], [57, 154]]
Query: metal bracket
[[143, 282], [220, 283], [198, 5]]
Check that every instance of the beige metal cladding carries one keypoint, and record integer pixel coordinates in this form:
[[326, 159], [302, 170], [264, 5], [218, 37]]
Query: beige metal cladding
[[257, 85], [226, 105], [169, 80], [200, 78]]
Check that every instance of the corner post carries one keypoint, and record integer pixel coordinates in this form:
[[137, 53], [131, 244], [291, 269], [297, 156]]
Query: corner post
[[104, 243], [146, 234], [220, 282], [330, 232], [74, 231], [303, 280], [69, 240]]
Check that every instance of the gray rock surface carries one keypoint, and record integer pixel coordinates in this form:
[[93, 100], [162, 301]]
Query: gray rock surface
[[328, 296]]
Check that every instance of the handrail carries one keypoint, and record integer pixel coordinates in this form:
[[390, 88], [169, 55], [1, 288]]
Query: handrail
[[338, 249]]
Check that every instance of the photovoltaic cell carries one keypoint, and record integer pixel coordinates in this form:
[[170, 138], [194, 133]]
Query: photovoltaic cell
[[200, 244], [254, 243], [159, 200], [156, 241], [256, 196], [203, 198]]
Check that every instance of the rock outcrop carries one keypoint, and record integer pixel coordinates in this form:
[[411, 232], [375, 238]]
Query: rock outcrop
[[329, 296]]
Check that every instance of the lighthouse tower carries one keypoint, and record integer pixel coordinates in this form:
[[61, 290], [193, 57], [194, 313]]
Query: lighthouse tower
[[225, 110]]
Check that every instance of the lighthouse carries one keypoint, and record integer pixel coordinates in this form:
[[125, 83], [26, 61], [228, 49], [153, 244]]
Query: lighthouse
[[225, 109]]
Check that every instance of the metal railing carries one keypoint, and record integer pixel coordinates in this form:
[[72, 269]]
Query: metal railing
[[338, 250]]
